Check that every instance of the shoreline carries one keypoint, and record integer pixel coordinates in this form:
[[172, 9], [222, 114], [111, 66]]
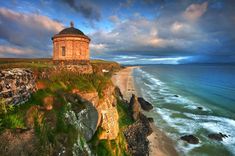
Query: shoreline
[[159, 143]]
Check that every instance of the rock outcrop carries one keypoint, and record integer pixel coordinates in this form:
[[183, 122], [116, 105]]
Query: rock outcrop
[[136, 136], [107, 110], [217, 136], [190, 139], [83, 115], [134, 107], [145, 105], [16, 85]]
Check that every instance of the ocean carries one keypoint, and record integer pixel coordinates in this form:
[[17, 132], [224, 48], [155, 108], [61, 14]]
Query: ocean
[[191, 99]]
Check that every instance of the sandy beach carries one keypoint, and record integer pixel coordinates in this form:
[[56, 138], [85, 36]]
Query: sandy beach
[[160, 144], [124, 80]]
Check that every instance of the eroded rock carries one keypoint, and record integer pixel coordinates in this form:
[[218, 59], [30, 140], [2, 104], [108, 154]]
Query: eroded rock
[[134, 107], [145, 105], [82, 115], [190, 139], [217, 136], [136, 136]]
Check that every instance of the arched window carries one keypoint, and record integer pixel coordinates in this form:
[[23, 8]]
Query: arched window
[[63, 50]]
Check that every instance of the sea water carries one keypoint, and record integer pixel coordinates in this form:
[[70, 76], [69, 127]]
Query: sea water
[[192, 99]]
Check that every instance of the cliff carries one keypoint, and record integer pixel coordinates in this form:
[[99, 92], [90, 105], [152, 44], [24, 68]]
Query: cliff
[[68, 114]]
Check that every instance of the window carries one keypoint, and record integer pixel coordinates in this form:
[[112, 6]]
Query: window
[[63, 50]]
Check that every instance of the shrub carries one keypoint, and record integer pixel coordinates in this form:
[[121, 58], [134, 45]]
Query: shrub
[[13, 121]]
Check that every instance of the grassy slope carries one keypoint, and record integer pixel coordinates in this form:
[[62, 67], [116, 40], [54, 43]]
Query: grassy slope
[[53, 127]]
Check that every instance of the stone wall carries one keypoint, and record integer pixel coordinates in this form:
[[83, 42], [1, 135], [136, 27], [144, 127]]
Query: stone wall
[[82, 68], [16, 85]]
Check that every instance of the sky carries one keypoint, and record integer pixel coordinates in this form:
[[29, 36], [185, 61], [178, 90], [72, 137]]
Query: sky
[[127, 31]]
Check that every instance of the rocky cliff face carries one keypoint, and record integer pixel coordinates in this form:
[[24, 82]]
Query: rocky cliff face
[[16, 85], [106, 107]]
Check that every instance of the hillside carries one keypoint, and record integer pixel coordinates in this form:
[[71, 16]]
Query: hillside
[[50, 110]]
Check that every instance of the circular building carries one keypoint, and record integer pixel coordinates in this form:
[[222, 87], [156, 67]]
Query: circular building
[[71, 46]]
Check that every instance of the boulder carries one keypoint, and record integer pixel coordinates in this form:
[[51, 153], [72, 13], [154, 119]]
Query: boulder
[[176, 95], [190, 139], [145, 105], [217, 136], [150, 120], [200, 108]]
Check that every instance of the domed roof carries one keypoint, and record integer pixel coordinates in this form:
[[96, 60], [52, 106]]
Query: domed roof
[[71, 30]]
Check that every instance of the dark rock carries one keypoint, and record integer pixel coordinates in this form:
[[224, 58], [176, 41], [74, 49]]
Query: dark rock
[[176, 95], [136, 136], [200, 108], [145, 105], [151, 120], [217, 136], [134, 107], [190, 139], [118, 93]]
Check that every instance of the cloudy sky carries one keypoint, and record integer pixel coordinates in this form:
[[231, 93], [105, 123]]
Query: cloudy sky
[[128, 31]]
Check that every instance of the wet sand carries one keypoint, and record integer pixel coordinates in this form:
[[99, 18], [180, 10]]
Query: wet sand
[[124, 80], [160, 144]]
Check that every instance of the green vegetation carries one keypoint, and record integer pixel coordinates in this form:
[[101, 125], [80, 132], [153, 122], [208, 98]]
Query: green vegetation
[[51, 128], [35, 64], [115, 147], [9, 119], [125, 118]]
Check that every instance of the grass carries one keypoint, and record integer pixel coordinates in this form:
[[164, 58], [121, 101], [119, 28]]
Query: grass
[[115, 147], [54, 130], [13, 121], [125, 118]]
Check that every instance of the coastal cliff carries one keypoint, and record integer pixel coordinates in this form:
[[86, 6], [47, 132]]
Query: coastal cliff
[[69, 113], [72, 113]]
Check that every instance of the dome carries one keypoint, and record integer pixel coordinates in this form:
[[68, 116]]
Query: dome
[[71, 30]]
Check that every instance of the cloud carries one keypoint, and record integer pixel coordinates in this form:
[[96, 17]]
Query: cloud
[[177, 27], [151, 2], [86, 8], [195, 11], [27, 30], [138, 34], [16, 51], [127, 3], [129, 35], [114, 19]]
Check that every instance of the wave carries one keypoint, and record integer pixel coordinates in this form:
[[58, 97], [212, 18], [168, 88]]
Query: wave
[[153, 85], [179, 123], [193, 124]]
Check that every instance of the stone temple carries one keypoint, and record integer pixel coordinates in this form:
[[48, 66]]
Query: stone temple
[[71, 47]]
